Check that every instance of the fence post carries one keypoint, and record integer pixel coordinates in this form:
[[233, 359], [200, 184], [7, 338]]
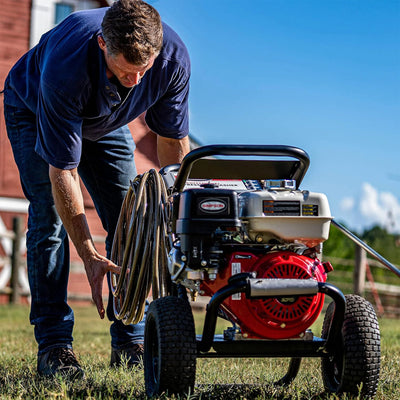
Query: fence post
[[360, 270], [16, 260]]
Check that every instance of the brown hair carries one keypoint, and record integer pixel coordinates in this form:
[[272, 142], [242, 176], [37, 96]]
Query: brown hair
[[132, 28]]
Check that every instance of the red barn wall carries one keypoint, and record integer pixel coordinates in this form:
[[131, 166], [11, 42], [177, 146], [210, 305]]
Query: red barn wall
[[14, 42]]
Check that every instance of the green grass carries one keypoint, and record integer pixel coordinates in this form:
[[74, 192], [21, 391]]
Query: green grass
[[215, 379]]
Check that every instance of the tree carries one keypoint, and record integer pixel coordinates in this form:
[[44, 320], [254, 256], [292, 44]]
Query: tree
[[338, 245], [383, 242]]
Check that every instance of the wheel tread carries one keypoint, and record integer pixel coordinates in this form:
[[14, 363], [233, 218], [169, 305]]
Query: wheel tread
[[173, 319], [361, 341]]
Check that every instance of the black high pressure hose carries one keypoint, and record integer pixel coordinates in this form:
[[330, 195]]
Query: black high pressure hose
[[141, 246]]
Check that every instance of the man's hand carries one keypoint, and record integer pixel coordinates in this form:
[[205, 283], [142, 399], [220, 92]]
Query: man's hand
[[96, 268]]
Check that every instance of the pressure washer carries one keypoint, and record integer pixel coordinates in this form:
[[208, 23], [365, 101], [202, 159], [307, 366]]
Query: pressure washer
[[231, 223]]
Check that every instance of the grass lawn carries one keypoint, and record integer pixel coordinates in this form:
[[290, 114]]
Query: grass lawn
[[215, 379]]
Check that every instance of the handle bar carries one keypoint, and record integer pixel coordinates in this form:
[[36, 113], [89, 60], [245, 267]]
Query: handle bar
[[240, 150]]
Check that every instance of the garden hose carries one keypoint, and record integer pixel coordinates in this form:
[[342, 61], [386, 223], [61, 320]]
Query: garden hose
[[140, 247]]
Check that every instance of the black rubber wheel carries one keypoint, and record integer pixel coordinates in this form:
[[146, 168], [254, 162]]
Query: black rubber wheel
[[355, 366], [169, 347]]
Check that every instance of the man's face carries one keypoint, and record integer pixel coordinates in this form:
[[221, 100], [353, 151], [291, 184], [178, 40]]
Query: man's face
[[129, 75]]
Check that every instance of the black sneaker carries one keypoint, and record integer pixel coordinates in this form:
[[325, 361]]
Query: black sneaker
[[59, 360], [132, 355]]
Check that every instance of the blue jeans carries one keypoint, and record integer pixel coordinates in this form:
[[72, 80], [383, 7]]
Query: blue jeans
[[106, 168]]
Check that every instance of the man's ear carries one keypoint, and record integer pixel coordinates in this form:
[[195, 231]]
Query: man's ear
[[101, 42]]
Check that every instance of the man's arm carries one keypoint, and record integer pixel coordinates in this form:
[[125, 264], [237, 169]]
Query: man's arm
[[69, 203], [172, 151]]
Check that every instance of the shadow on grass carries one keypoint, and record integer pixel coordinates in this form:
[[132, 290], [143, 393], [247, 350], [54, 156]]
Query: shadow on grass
[[254, 392]]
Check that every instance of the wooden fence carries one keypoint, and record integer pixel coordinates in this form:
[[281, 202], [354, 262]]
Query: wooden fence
[[12, 280], [368, 278], [13, 273]]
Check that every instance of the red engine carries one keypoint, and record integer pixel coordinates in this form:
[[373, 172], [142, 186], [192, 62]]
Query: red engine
[[272, 318]]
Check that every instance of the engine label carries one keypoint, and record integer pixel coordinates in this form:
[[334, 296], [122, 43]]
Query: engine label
[[232, 184], [281, 207], [236, 269], [213, 205]]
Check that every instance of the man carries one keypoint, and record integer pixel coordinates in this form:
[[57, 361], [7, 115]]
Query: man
[[66, 104]]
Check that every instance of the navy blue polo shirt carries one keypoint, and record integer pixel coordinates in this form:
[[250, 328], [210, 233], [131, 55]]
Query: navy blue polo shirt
[[63, 81]]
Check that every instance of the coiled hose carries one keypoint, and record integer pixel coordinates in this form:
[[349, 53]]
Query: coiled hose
[[141, 246]]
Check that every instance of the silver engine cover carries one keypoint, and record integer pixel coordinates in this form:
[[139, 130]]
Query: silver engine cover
[[285, 214]]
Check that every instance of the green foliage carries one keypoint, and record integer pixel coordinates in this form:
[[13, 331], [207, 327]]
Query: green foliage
[[338, 245], [384, 243], [340, 250]]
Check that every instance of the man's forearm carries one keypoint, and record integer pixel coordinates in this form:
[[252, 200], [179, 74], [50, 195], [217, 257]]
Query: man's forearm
[[172, 151], [69, 204]]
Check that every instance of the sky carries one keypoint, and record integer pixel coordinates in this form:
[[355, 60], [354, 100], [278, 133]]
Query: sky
[[320, 75]]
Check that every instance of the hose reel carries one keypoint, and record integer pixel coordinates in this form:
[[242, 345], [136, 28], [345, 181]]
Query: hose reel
[[140, 247]]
